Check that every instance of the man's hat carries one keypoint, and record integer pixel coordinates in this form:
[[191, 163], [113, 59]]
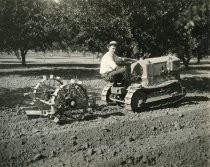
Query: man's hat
[[112, 43]]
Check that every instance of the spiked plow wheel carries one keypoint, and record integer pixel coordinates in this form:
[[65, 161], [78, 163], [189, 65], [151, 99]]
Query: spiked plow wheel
[[44, 90], [58, 99], [71, 101]]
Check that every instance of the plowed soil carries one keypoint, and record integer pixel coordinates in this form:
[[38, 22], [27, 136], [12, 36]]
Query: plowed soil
[[177, 135]]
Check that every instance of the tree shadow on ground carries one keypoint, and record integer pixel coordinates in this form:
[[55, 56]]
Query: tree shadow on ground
[[199, 68], [13, 66], [188, 100], [196, 84], [201, 63], [194, 72], [64, 73], [12, 98]]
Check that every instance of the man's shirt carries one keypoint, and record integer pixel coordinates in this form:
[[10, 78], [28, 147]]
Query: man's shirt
[[107, 63]]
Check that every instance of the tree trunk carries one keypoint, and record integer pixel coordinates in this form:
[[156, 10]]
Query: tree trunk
[[23, 56], [198, 60], [84, 52], [199, 57], [17, 54], [23, 60], [186, 62]]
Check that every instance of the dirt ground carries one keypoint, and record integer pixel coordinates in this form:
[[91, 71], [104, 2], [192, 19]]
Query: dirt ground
[[172, 136]]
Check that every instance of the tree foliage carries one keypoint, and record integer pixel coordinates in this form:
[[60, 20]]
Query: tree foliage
[[26, 25], [155, 27], [192, 28]]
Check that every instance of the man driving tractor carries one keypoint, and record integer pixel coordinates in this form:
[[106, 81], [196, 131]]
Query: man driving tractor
[[113, 67]]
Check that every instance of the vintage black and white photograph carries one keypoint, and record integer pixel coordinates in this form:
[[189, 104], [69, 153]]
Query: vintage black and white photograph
[[104, 83]]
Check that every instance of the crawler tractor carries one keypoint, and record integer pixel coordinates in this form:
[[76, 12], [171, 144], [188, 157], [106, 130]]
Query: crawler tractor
[[158, 85]]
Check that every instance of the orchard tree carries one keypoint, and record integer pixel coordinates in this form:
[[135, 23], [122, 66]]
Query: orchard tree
[[71, 26], [156, 26], [26, 25], [95, 24], [201, 30], [192, 31]]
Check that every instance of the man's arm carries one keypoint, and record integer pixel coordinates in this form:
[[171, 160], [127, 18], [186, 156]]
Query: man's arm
[[123, 60], [129, 59], [118, 60], [112, 62]]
